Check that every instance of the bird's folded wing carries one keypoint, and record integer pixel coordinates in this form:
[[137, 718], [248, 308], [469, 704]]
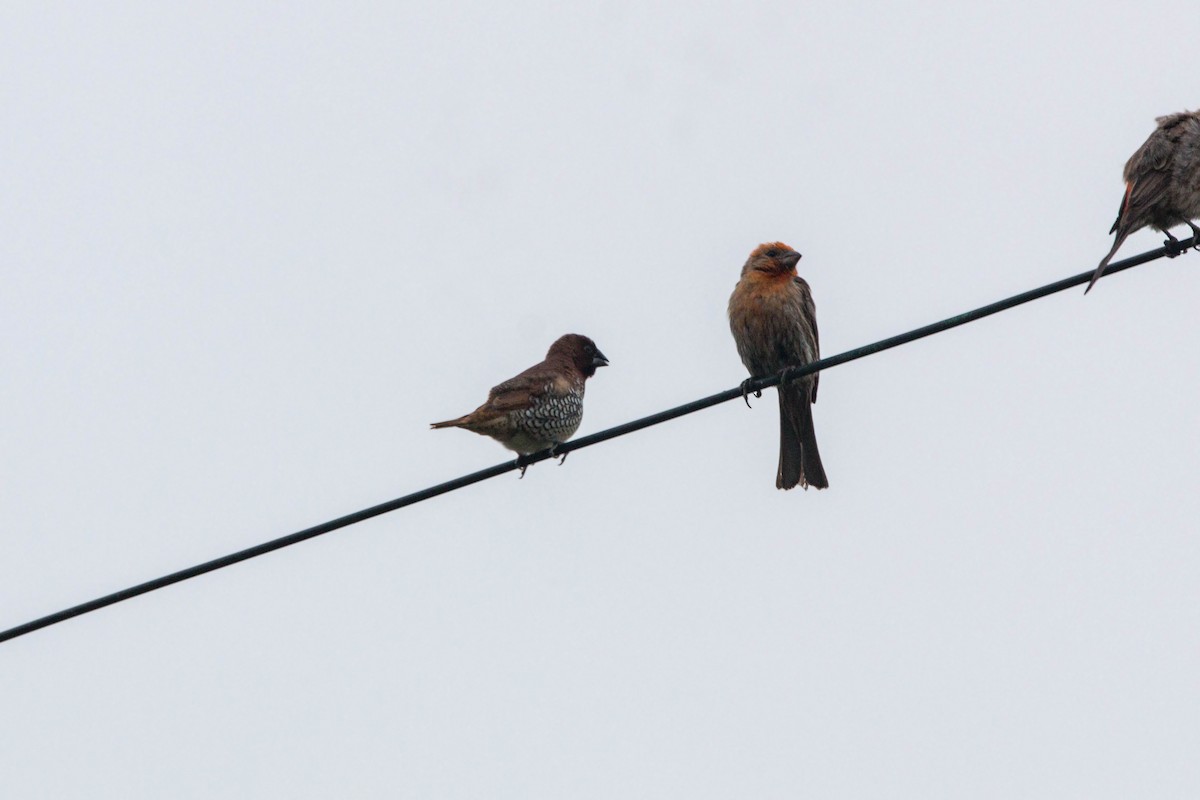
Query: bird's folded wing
[[1148, 172], [524, 390], [1147, 190], [810, 310]]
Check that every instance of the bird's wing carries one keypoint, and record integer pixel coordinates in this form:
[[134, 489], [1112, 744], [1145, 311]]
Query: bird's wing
[[810, 311], [522, 390], [1147, 175]]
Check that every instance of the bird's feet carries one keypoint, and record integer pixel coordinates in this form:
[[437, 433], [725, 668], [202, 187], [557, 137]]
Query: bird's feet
[[786, 376], [746, 392], [1195, 235], [522, 464], [554, 452], [1173, 246]]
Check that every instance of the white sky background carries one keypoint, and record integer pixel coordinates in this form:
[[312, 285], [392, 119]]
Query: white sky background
[[250, 252]]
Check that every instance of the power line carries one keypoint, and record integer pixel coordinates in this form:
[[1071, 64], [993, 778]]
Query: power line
[[587, 441]]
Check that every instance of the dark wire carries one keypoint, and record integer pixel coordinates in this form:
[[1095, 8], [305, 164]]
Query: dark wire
[[585, 441]]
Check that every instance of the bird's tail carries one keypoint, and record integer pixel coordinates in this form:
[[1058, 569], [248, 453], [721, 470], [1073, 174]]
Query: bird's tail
[[799, 458], [1104, 262], [450, 423]]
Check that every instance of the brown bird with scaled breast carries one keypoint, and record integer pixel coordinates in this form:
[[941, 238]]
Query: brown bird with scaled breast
[[1162, 184], [774, 324], [541, 407]]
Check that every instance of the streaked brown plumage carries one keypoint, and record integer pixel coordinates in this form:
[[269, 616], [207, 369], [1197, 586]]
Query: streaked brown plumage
[[1162, 183], [774, 324], [541, 407]]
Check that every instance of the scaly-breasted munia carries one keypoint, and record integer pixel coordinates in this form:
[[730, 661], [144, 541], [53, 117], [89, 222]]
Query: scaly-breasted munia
[[541, 407]]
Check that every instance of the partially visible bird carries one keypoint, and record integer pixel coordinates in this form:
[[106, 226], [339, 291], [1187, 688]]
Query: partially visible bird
[[541, 407], [1162, 183], [774, 324]]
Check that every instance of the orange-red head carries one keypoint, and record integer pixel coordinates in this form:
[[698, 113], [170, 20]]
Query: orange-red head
[[772, 258]]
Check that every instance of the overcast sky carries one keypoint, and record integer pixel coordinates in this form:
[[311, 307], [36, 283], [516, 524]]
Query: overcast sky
[[250, 251]]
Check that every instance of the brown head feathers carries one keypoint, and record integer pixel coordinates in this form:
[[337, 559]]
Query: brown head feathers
[[579, 351]]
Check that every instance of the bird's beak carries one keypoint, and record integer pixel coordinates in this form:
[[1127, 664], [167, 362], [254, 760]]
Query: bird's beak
[[791, 258], [599, 360]]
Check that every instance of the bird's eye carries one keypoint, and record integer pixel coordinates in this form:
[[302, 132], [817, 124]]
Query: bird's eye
[[772, 253]]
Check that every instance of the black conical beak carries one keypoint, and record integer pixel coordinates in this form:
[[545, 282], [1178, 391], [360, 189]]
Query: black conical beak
[[599, 360], [791, 259]]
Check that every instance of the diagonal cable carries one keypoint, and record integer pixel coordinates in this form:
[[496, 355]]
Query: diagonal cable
[[754, 384]]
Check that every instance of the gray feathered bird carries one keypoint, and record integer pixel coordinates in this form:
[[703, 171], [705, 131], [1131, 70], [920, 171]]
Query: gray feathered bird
[[1162, 183]]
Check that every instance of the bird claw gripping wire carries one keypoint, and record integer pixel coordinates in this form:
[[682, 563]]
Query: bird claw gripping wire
[[746, 392], [786, 375], [523, 461], [1173, 246], [554, 452]]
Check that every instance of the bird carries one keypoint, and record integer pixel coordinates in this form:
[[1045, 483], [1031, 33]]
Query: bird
[[541, 407], [1162, 184], [774, 325]]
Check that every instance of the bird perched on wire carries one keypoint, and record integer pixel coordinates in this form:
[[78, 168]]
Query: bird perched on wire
[[541, 407], [1162, 184], [774, 324]]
